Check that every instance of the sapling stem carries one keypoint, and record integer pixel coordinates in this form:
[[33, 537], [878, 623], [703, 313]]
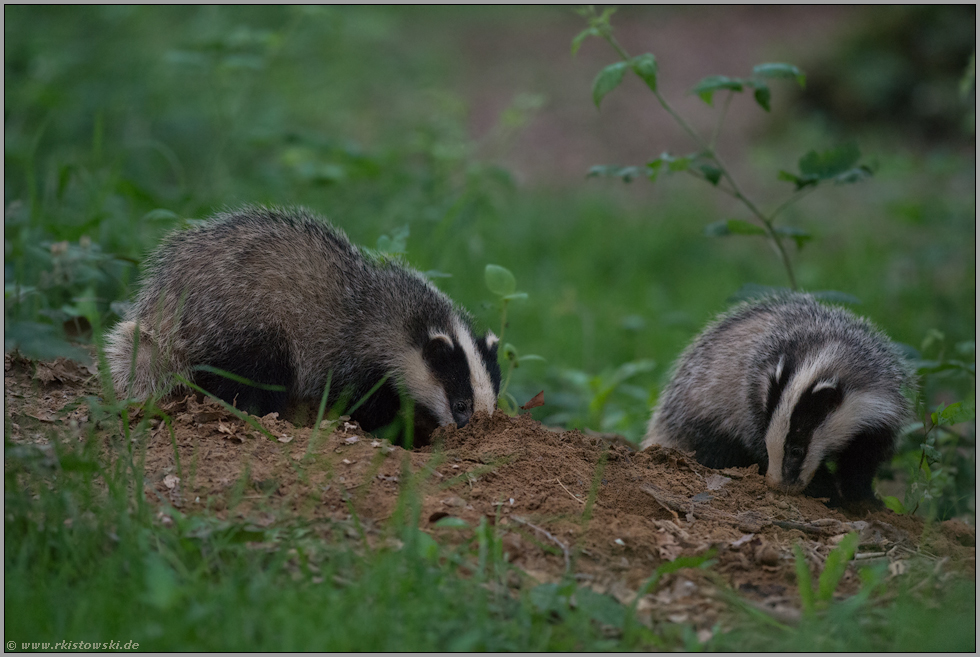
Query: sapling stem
[[708, 150]]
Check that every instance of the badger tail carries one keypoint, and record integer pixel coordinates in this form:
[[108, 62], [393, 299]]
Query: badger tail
[[140, 368]]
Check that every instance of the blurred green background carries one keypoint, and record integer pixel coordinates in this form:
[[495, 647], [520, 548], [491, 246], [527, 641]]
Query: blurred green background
[[474, 128]]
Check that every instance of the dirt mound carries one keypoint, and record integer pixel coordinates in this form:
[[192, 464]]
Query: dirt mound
[[562, 501]]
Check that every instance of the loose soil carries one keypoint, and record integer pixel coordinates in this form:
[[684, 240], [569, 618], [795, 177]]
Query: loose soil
[[561, 501]]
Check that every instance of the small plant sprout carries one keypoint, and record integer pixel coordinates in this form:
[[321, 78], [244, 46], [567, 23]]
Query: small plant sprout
[[833, 570], [938, 461], [502, 283], [839, 165]]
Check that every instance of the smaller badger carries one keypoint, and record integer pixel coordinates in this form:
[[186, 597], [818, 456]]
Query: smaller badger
[[285, 303], [791, 385]]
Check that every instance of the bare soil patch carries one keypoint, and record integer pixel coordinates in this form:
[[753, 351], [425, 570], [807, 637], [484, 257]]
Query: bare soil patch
[[533, 482]]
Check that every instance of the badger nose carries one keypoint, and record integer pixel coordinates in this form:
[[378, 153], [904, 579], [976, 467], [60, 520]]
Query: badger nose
[[462, 419]]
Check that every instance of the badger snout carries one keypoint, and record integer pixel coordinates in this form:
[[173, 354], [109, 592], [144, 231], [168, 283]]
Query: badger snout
[[462, 412], [793, 487]]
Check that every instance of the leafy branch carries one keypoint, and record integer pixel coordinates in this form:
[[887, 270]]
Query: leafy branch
[[839, 165]]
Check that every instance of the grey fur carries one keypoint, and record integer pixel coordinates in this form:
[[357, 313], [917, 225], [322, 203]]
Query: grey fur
[[783, 373], [279, 296]]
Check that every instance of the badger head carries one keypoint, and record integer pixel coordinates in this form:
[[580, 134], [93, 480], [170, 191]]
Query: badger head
[[815, 409], [458, 375]]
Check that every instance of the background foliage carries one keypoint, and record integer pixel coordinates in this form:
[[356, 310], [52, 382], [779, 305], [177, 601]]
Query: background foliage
[[122, 123]]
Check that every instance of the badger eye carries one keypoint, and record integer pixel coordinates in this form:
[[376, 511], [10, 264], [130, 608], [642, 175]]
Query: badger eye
[[459, 406], [797, 452]]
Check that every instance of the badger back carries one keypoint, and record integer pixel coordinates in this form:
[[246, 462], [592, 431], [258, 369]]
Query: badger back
[[278, 296]]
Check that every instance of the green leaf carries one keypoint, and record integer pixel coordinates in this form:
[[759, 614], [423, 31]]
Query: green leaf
[[804, 580], [600, 608], [709, 85], [835, 566], [582, 36], [829, 164], [614, 171], [160, 214], [676, 164], [732, 227], [531, 357], [394, 244], [955, 413], [673, 164], [778, 70], [893, 503], [857, 174], [800, 182], [451, 522], [607, 80], [711, 173], [516, 296], [646, 67], [931, 452], [653, 169], [499, 280], [762, 95]]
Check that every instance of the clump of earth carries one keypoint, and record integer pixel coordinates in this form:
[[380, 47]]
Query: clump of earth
[[562, 502]]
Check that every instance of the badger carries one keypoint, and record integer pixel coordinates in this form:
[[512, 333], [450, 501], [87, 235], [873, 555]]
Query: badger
[[284, 304], [811, 393]]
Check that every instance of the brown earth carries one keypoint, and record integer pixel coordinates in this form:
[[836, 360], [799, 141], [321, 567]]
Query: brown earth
[[532, 482]]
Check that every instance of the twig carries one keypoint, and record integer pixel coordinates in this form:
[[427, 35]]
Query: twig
[[569, 492], [564, 549]]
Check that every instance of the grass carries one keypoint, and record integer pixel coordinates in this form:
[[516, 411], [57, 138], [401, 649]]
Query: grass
[[174, 112]]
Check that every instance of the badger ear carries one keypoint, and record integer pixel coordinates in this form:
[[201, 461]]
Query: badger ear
[[829, 384], [438, 347], [491, 341], [828, 394]]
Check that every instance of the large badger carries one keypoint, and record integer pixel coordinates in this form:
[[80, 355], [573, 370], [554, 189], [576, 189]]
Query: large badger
[[792, 385], [279, 298]]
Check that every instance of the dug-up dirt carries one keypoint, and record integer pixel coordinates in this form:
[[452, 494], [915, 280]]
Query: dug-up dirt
[[562, 502]]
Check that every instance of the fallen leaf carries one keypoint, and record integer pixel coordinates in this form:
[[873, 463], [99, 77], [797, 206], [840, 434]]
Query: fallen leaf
[[351, 440], [536, 400], [716, 481], [223, 428], [285, 439], [44, 416], [171, 481]]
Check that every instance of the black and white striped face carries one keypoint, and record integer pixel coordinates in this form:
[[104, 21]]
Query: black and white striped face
[[461, 375], [814, 413]]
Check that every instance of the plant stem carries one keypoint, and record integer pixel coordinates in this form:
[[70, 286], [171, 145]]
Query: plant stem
[[709, 151], [796, 196], [503, 321]]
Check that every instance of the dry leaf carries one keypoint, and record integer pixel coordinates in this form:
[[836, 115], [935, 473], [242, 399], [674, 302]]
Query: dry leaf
[[171, 481], [44, 416], [716, 481], [285, 439], [536, 400]]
